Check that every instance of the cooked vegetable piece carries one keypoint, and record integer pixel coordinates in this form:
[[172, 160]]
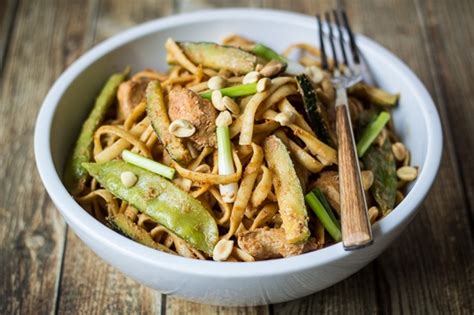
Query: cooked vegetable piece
[[380, 160], [374, 95], [314, 109], [323, 212], [158, 114], [363, 120], [214, 56], [371, 132], [148, 164], [226, 162], [288, 191], [245, 190], [161, 200], [325, 203], [127, 228], [75, 175], [267, 53], [234, 91]]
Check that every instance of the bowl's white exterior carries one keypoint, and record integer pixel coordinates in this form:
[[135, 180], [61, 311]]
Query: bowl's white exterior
[[273, 281]]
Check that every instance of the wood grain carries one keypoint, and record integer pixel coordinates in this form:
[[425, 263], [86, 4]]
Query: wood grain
[[176, 305], [359, 293], [7, 17], [450, 50], [355, 225], [418, 273], [431, 250], [31, 232], [428, 270], [102, 289]]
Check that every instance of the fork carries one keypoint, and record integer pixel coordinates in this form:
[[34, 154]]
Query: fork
[[356, 228]]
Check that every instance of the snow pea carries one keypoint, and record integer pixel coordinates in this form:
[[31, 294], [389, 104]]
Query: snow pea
[[161, 200], [75, 175]]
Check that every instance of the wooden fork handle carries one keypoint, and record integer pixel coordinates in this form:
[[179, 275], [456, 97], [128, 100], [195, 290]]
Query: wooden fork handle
[[356, 229]]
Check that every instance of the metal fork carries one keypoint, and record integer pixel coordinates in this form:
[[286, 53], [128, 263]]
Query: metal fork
[[356, 228]]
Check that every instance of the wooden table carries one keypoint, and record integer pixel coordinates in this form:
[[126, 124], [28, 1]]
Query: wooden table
[[45, 268]]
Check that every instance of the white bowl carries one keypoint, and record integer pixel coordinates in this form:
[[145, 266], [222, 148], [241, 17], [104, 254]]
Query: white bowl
[[68, 103]]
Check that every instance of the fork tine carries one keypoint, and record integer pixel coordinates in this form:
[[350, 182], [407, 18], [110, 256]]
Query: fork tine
[[355, 53], [341, 38], [331, 42], [324, 59]]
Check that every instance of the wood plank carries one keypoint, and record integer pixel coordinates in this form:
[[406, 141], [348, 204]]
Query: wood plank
[[450, 48], [32, 231], [117, 16], [425, 271], [104, 290], [362, 298], [7, 18], [175, 305], [91, 286], [440, 273], [356, 295]]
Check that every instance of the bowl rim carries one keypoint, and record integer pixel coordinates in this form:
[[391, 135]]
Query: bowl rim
[[110, 239]]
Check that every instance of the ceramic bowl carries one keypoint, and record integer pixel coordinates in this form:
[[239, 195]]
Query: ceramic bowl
[[68, 103]]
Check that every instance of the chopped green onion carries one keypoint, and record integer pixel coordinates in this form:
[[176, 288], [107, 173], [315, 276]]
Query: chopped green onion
[[267, 53], [225, 163], [234, 91], [148, 164], [326, 205], [292, 67], [371, 132], [330, 224]]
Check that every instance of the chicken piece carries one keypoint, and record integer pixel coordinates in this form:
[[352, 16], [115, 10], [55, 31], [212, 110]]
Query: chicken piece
[[185, 104], [130, 93], [266, 243], [328, 183]]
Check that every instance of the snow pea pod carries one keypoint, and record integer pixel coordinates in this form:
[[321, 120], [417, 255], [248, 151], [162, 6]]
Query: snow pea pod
[[161, 200], [75, 175]]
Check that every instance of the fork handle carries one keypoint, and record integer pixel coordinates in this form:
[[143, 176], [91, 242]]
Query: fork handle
[[356, 229]]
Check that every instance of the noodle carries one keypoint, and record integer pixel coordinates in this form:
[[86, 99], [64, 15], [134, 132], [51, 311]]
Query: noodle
[[116, 148], [267, 212], [176, 52], [300, 155], [245, 189], [126, 135], [263, 188], [112, 206], [303, 46], [281, 93], [211, 178], [277, 111]]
